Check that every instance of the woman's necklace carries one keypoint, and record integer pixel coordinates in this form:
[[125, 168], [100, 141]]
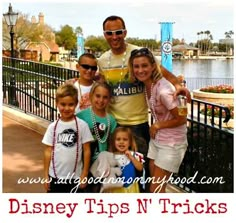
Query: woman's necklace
[[105, 137], [151, 102], [122, 69], [54, 142]]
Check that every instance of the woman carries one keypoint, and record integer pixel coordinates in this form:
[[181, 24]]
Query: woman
[[168, 132]]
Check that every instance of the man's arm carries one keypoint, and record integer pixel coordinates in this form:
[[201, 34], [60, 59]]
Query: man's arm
[[175, 81]]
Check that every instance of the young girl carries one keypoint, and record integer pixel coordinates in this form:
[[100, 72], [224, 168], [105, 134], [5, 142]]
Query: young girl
[[101, 123], [124, 148], [87, 67], [168, 132], [67, 140]]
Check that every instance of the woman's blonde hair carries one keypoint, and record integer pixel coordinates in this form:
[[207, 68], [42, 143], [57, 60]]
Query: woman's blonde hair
[[144, 52]]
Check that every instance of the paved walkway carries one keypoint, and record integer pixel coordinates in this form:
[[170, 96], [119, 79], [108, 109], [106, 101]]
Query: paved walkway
[[22, 157]]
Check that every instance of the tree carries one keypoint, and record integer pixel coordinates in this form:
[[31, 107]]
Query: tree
[[201, 47], [152, 44], [207, 32], [79, 31], [198, 34], [66, 37], [210, 43], [97, 44], [26, 31], [204, 42], [228, 35]]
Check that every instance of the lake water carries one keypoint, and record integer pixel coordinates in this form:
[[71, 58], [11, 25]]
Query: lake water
[[212, 68], [202, 73]]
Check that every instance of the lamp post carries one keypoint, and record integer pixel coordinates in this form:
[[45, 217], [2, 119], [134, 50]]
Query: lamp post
[[11, 18]]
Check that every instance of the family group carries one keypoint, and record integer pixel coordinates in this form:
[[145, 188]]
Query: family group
[[103, 130]]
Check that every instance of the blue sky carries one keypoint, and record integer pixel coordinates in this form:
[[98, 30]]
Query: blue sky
[[142, 17]]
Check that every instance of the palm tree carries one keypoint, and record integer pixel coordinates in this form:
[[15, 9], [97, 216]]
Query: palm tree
[[228, 35], [79, 31], [198, 34], [207, 40], [210, 39], [201, 41]]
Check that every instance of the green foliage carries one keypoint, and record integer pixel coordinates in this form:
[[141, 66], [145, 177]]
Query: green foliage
[[229, 34], [100, 45], [79, 30], [149, 43], [97, 44], [66, 37]]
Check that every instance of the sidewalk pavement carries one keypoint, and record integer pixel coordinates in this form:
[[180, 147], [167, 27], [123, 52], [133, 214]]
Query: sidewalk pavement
[[23, 152]]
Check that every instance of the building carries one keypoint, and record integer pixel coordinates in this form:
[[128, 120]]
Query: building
[[46, 50], [41, 50], [185, 51]]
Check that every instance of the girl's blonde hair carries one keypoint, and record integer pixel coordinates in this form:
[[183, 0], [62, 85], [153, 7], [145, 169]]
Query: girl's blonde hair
[[144, 52], [65, 90], [100, 84], [133, 146]]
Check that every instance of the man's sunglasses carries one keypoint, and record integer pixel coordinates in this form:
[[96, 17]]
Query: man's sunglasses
[[141, 51], [87, 67], [117, 32]]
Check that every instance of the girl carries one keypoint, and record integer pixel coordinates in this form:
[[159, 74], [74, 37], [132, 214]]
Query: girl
[[124, 148], [67, 140], [168, 132], [101, 123], [87, 67]]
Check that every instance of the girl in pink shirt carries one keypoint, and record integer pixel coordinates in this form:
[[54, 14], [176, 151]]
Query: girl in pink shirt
[[168, 132]]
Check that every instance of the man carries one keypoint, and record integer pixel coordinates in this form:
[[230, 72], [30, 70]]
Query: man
[[129, 107]]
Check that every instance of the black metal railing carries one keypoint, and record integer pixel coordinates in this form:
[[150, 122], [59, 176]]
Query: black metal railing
[[208, 162], [34, 86], [209, 156]]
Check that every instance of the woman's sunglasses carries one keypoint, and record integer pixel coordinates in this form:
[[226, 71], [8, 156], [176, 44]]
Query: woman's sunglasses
[[87, 67], [117, 32], [141, 51]]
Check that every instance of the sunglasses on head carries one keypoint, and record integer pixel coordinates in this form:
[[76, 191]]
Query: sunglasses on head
[[141, 51], [117, 32], [87, 67]]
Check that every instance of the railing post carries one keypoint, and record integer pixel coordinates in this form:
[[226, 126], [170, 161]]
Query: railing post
[[12, 92], [36, 92], [4, 88]]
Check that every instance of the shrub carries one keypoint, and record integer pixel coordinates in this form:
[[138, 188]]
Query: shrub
[[216, 111], [223, 88]]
